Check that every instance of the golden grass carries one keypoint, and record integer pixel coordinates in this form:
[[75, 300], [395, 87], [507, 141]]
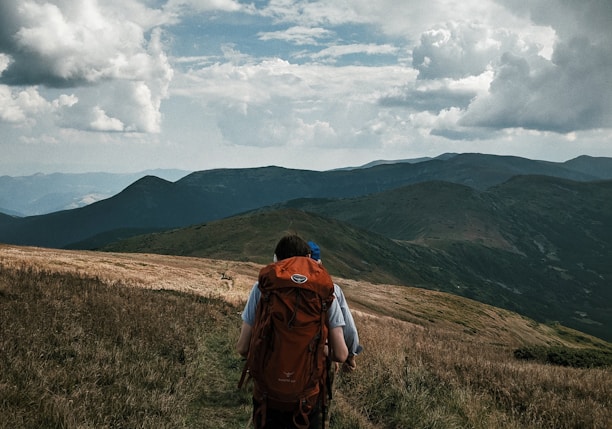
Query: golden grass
[[227, 279], [80, 348], [424, 377]]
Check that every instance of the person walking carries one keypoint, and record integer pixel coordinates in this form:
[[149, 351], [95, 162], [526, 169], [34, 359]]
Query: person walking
[[291, 324]]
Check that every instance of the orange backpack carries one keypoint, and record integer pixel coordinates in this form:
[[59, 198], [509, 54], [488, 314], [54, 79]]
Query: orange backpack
[[286, 356]]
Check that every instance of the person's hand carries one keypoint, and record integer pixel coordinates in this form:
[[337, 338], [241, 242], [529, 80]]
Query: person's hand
[[350, 365]]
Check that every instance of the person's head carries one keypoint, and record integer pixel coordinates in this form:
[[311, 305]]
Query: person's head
[[291, 245]]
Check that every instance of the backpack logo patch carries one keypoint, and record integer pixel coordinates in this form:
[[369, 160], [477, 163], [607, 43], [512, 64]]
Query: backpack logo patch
[[288, 377], [299, 279]]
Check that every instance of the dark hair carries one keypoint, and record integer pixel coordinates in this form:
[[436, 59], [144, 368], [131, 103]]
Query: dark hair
[[291, 245]]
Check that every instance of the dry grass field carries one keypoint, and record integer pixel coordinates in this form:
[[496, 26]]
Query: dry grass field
[[93, 340], [226, 279]]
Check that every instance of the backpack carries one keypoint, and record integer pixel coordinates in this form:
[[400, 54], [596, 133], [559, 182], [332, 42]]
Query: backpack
[[286, 356]]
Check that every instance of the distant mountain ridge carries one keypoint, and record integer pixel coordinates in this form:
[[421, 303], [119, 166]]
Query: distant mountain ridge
[[397, 161], [153, 204], [598, 166], [46, 193]]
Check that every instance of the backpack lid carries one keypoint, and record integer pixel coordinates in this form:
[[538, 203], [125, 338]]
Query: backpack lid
[[298, 271]]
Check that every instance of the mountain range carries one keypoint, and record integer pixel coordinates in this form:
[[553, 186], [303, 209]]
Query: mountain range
[[530, 236], [46, 193], [152, 203]]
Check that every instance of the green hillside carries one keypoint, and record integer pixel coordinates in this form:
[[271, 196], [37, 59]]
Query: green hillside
[[536, 245], [349, 252]]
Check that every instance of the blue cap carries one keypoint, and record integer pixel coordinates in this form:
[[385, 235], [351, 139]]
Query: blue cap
[[315, 252]]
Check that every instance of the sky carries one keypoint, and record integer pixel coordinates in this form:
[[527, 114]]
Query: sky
[[129, 85]]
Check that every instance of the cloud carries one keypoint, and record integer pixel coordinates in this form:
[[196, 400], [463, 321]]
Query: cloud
[[573, 92], [455, 50], [590, 18], [549, 66], [276, 77], [408, 19], [123, 106], [297, 35], [271, 103], [342, 50], [269, 128], [17, 106], [5, 60], [102, 122], [81, 44], [312, 14], [65, 100], [68, 47], [179, 6], [251, 81], [428, 100], [569, 92]]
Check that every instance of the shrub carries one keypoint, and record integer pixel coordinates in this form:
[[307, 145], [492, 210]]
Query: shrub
[[566, 356]]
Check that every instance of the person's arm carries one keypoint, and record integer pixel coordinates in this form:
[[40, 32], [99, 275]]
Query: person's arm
[[242, 346], [248, 320], [338, 346], [335, 323], [351, 337]]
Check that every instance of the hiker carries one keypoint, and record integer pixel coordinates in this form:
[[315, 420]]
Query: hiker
[[351, 337], [289, 316]]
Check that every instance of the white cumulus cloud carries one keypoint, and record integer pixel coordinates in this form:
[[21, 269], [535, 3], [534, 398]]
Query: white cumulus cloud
[[89, 43], [102, 122], [18, 106]]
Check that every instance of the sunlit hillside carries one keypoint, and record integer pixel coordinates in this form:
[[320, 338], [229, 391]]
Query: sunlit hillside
[[138, 340]]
